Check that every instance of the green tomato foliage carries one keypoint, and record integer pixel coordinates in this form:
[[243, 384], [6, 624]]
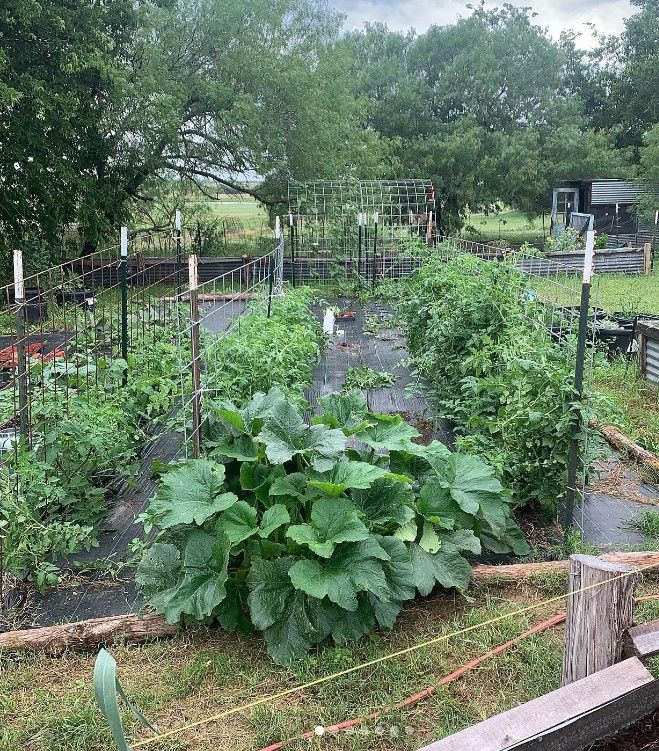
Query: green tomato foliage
[[482, 341]]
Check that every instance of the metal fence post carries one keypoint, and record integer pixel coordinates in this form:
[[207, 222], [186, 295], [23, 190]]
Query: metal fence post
[[196, 355], [567, 518], [291, 226], [177, 225], [123, 281], [19, 294], [360, 237], [279, 258], [375, 246]]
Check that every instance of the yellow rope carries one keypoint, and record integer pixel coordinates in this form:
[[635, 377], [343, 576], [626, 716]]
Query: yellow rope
[[378, 660]]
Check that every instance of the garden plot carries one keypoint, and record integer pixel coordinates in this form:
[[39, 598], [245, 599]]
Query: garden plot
[[369, 344], [100, 582]]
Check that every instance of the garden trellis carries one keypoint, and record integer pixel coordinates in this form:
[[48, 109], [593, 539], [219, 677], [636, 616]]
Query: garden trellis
[[352, 229]]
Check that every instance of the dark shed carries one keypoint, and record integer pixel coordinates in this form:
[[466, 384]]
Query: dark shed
[[612, 203]]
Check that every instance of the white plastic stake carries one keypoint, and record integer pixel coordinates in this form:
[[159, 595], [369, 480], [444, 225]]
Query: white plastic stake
[[19, 283], [124, 241], [656, 217], [277, 227], [177, 220], [588, 257]]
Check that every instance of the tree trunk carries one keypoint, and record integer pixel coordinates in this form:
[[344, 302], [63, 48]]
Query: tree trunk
[[519, 571], [598, 617], [85, 634]]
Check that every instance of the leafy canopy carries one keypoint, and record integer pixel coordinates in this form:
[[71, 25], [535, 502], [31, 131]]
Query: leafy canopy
[[304, 539]]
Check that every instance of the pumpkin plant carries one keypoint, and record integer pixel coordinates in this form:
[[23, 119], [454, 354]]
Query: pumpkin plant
[[306, 532]]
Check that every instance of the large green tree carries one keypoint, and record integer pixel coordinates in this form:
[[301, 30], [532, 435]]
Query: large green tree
[[122, 98], [56, 59], [486, 107]]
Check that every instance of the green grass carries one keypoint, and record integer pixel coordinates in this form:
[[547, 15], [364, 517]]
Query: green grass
[[47, 704], [630, 403], [512, 226], [616, 293], [647, 523]]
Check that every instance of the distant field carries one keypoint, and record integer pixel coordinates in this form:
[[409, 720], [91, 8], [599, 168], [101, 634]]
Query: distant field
[[513, 226], [248, 210]]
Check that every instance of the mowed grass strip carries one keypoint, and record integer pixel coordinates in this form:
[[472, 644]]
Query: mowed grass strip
[[47, 704]]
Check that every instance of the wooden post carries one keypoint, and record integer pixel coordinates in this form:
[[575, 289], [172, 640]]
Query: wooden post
[[598, 617], [196, 357], [647, 258]]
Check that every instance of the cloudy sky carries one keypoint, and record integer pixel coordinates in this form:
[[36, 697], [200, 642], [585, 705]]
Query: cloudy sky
[[606, 15]]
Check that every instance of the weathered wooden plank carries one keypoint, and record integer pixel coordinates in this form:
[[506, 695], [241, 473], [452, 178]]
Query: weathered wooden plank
[[568, 719], [642, 641]]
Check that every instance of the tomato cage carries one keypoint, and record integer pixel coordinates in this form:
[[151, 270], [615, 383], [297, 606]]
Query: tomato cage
[[341, 230]]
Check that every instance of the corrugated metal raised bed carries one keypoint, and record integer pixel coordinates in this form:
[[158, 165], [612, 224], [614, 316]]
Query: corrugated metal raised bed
[[616, 261], [648, 350]]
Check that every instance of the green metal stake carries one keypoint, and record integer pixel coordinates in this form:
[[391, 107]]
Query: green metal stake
[[291, 227], [567, 517], [375, 245], [360, 237], [123, 280], [19, 294], [177, 224]]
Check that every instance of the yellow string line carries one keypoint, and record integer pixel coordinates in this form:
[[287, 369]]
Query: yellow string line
[[378, 660]]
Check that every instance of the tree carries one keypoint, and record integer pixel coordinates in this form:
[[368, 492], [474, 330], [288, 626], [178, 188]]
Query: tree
[[53, 58], [649, 154], [162, 91], [485, 107]]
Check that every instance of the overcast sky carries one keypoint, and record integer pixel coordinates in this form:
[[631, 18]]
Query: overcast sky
[[606, 15]]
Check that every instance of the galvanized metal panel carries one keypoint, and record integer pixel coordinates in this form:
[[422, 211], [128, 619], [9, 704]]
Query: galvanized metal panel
[[608, 192], [652, 360]]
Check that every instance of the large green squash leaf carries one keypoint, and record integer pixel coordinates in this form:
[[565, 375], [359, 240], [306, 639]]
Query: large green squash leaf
[[285, 434], [273, 518], [346, 474], [352, 568], [397, 570], [281, 612], [333, 520], [356, 623], [386, 500], [347, 412], [471, 482], [238, 522], [446, 567], [199, 587], [389, 432], [191, 493], [270, 588], [158, 574]]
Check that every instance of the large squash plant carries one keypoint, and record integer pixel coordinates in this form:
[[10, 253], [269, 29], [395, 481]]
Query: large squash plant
[[306, 532]]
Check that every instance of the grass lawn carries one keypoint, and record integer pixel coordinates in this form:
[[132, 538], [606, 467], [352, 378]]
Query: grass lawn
[[250, 212], [616, 293], [46, 704], [513, 226], [632, 404]]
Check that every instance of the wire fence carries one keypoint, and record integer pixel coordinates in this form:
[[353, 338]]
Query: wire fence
[[213, 313]]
